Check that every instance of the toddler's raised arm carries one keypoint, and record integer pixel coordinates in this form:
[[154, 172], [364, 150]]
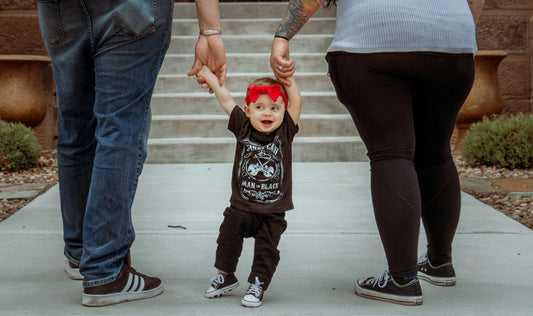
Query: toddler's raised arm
[[295, 100], [223, 96]]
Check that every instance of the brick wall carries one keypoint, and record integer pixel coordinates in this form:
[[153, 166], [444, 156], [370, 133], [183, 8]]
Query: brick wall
[[504, 25]]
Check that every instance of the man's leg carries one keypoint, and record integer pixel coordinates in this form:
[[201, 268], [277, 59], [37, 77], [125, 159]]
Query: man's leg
[[129, 42]]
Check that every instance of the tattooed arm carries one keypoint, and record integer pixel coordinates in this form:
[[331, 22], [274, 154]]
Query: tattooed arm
[[298, 12]]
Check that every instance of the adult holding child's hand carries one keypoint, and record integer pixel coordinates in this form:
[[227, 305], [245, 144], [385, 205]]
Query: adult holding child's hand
[[280, 62], [209, 49]]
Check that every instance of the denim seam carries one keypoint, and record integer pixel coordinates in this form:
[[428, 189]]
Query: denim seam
[[89, 25], [71, 259], [100, 282], [58, 24], [402, 198]]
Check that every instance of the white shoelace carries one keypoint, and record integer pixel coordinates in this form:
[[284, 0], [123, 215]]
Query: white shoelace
[[219, 279], [380, 281], [255, 289]]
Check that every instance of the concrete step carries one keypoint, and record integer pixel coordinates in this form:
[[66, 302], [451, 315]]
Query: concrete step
[[188, 125], [311, 125], [186, 10], [180, 64], [201, 102], [309, 81], [302, 43], [254, 26], [219, 149]]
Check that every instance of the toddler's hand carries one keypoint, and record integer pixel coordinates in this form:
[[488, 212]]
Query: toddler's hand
[[203, 76]]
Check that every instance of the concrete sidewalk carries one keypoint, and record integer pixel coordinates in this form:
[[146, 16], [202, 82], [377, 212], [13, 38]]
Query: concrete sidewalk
[[331, 241]]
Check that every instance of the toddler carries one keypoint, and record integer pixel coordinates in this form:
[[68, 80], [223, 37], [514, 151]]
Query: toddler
[[261, 181]]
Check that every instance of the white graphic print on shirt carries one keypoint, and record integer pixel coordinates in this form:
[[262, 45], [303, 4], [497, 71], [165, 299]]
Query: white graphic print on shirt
[[261, 171]]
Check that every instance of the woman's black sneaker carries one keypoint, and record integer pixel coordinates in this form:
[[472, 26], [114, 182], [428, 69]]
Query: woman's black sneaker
[[384, 288], [442, 275]]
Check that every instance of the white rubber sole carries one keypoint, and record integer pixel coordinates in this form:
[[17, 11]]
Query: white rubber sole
[[72, 273], [440, 281], [391, 298], [247, 303], [220, 292]]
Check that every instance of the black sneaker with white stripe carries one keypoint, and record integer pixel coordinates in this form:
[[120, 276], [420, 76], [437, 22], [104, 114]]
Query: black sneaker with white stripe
[[130, 285], [385, 288], [441, 275]]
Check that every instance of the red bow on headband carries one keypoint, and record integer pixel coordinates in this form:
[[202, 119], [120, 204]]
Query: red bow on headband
[[274, 91]]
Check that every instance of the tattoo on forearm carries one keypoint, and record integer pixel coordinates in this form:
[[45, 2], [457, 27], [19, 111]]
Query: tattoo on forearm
[[298, 12]]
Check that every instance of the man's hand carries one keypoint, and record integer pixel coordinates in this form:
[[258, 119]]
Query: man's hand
[[210, 52]]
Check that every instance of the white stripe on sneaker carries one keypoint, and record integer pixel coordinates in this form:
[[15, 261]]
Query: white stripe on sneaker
[[135, 288], [135, 284], [141, 286], [128, 284]]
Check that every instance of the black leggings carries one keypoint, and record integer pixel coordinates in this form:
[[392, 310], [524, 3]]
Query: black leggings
[[405, 106]]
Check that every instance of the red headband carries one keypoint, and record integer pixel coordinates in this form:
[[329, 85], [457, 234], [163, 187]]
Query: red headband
[[274, 91]]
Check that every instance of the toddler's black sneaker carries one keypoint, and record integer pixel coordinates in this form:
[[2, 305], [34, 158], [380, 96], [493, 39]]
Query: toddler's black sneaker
[[254, 295], [221, 285]]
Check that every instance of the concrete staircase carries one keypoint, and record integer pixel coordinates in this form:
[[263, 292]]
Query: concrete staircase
[[188, 125]]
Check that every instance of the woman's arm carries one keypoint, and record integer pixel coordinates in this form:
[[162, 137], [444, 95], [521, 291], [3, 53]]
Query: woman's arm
[[298, 13]]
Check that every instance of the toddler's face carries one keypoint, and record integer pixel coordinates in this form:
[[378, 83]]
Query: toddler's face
[[266, 115]]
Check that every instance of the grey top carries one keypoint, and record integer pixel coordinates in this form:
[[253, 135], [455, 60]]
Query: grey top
[[370, 26]]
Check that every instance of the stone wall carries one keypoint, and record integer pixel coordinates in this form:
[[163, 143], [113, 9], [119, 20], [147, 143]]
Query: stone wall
[[504, 25], [508, 25], [20, 35], [19, 28]]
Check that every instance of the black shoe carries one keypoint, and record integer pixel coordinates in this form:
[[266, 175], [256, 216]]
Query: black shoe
[[384, 288], [220, 285], [442, 275], [254, 295]]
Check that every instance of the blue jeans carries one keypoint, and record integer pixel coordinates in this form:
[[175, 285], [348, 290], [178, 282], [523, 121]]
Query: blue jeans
[[106, 56]]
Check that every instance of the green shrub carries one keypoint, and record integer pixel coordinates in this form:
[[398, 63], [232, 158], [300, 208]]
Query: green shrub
[[501, 141], [19, 148]]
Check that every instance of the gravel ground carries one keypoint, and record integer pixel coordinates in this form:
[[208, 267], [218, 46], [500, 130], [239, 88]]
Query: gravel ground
[[519, 208], [45, 173]]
